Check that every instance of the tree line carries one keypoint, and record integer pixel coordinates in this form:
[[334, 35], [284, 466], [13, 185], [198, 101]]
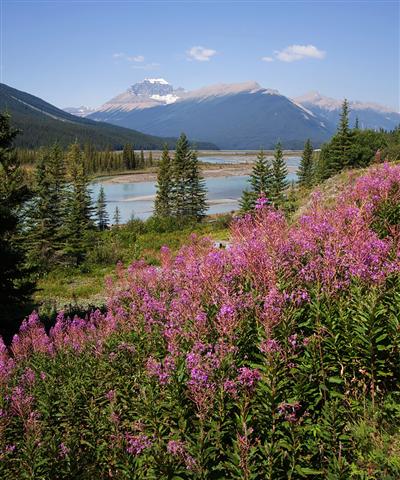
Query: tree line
[[96, 161], [348, 148]]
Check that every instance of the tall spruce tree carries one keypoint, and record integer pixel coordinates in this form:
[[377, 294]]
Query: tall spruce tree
[[15, 284], [128, 157], [260, 181], [196, 189], [41, 230], [180, 165], [101, 210], [339, 153], [279, 173], [188, 189], [117, 217], [46, 212], [305, 171], [78, 220], [163, 202]]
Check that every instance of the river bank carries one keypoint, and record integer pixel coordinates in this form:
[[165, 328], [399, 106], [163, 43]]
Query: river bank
[[207, 170]]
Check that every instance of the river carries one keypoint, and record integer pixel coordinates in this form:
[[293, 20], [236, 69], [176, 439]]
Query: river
[[136, 199]]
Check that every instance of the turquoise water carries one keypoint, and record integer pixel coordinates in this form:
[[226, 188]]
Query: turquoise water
[[136, 199], [232, 159]]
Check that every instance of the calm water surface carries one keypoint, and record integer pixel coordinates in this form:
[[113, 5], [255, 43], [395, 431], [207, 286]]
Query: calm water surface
[[136, 199]]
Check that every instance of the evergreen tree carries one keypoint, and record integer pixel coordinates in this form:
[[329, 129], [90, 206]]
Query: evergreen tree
[[305, 172], [78, 220], [196, 189], [339, 153], [260, 181], [15, 286], [180, 168], [247, 201], [117, 217], [150, 161], [128, 157], [101, 211], [142, 160], [41, 230], [261, 175], [279, 174], [357, 124], [163, 202], [46, 212], [188, 189]]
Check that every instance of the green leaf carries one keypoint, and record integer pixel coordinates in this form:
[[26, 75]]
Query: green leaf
[[337, 380]]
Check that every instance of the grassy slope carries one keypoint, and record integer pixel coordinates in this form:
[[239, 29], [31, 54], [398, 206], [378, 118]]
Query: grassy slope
[[86, 286]]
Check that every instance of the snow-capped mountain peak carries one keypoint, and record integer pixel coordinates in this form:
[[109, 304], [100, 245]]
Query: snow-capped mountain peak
[[162, 81]]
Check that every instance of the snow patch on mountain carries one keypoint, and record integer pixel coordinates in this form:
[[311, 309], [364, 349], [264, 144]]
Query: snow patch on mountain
[[222, 89], [167, 99], [162, 81]]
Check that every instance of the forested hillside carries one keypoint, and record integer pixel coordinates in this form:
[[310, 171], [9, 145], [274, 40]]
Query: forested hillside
[[42, 124]]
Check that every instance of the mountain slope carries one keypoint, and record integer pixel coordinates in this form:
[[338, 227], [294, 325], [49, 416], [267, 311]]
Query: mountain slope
[[43, 124], [370, 115], [233, 116]]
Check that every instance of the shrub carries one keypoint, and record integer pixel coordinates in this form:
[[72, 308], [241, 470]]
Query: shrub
[[275, 358]]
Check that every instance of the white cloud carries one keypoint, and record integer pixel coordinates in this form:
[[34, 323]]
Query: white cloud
[[267, 59], [147, 66], [200, 54], [299, 52], [129, 58], [137, 58]]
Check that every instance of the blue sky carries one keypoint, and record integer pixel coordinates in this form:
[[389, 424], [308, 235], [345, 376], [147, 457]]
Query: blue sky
[[73, 53]]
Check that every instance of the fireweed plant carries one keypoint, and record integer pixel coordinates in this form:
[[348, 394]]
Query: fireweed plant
[[277, 357]]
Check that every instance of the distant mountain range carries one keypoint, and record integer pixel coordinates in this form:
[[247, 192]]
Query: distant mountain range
[[235, 116], [370, 115], [81, 111], [43, 124]]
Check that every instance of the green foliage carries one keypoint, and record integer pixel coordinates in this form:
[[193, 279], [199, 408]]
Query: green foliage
[[44, 217], [163, 201], [392, 148], [15, 286], [101, 212], [188, 191], [128, 157], [354, 148], [117, 217], [260, 181], [279, 173], [78, 207], [306, 169], [326, 406]]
